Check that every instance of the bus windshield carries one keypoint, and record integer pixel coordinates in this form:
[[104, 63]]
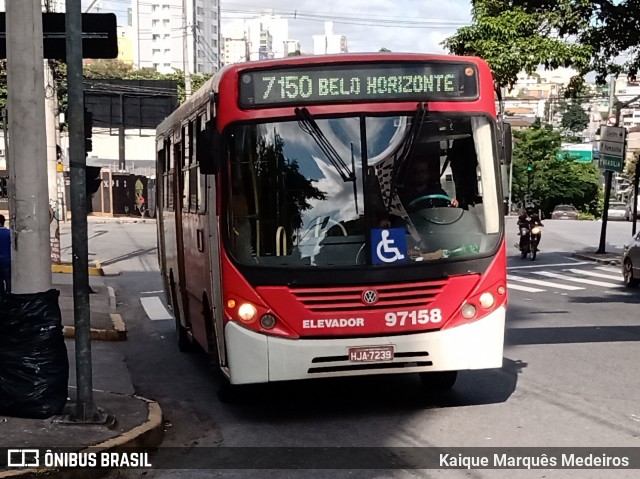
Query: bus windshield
[[362, 190]]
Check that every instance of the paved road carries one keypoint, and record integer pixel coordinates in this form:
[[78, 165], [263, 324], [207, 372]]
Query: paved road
[[569, 376]]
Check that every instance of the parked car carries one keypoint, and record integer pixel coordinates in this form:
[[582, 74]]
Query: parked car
[[564, 212], [631, 262], [617, 210], [628, 213]]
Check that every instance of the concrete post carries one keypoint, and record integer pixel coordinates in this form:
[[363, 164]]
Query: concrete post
[[29, 208]]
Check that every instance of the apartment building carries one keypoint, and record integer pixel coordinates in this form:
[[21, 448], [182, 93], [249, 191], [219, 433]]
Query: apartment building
[[176, 35], [329, 42], [258, 38]]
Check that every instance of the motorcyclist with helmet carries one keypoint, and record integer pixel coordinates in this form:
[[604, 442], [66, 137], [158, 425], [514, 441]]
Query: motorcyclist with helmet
[[526, 222]]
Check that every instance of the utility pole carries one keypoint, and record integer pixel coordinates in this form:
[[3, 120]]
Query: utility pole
[[122, 165], [29, 208], [86, 410], [636, 180], [185, 51]]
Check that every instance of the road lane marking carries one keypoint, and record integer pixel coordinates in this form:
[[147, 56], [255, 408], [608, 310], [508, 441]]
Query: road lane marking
[[594, 274], [154, 308], [609, 268], [549, 265], [524, 288], [539, 282], [577, 280]]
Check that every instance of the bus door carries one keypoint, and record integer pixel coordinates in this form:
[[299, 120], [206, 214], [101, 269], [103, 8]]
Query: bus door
[[162, 191], [194, 237], [179, 291]]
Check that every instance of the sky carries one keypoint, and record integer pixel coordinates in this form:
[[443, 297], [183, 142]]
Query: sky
[[398, 25]]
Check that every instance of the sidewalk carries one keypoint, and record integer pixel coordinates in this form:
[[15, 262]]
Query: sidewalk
[[611, 257], [138, 421]]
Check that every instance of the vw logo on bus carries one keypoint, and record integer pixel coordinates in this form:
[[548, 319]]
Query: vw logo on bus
[[370, 297]]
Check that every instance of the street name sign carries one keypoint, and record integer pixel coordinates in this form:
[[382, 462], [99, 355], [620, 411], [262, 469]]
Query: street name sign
[[612, 148]]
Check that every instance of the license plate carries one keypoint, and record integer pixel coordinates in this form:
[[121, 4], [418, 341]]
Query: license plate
[[371, 354]]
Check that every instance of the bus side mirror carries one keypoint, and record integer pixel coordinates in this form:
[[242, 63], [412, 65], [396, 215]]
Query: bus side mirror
[[209, 150], [507, 138]]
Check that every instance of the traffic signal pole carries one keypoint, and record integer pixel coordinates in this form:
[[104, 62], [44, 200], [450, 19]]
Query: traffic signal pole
[[86, 410], [29, 203]]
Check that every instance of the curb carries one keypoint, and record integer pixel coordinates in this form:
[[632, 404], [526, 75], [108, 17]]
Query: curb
[[591, 257], [118, 333], [68, 268], [147, 435]]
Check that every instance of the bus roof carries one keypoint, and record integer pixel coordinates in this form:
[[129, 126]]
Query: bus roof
[[202, 96]]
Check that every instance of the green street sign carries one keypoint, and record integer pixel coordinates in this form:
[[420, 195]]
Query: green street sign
[[611, 163]]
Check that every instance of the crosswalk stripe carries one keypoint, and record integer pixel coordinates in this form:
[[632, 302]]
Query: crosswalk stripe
[[539, 282], [576, 280], [154, 308], [608, 268], [595, 275], [524, 288]]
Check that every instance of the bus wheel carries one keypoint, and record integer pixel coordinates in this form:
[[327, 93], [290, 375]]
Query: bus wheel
[[184, 345], [439, 380]]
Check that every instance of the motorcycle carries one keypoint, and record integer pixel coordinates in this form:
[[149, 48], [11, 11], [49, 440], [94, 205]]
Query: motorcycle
[[529, 240]]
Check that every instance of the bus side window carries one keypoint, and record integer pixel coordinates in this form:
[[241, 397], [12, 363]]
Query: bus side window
[[209, 146], [184, 164], [193, 169], [202, 179]]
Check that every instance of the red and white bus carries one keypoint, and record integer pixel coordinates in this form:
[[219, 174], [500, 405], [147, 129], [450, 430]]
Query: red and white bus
[[288, 244]]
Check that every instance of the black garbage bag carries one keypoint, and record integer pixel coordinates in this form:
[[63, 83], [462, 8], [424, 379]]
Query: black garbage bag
[[34, 368]]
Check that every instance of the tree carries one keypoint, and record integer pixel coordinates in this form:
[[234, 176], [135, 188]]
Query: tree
[[512, 39], [575, 119], [599, 36], [553, 180]]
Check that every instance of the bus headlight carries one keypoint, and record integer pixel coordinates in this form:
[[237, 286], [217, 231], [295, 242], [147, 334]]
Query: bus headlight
[[247, 311], [468, 311], [487, 300]]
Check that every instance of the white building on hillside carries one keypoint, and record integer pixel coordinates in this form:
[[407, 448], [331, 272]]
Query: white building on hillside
[[329, 42], [160, 29], [259, 38]]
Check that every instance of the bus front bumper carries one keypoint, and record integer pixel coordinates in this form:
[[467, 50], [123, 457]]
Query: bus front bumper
[[259, 358]]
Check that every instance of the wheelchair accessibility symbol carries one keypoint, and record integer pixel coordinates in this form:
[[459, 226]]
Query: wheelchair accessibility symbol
[[389, 245]]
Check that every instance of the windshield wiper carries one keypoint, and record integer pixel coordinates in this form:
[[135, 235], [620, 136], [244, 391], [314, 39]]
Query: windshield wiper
[[309, 125]]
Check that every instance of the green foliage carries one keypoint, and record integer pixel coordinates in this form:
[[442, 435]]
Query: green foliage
[[589, 35], [553, 181], [575, 119], [512, 39], [586, 216]]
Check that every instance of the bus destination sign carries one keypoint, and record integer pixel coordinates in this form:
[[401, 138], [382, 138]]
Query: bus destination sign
[[431, 81]]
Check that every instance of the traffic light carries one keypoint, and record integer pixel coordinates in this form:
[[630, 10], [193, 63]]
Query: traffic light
[[530, 167], [88, 125]]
